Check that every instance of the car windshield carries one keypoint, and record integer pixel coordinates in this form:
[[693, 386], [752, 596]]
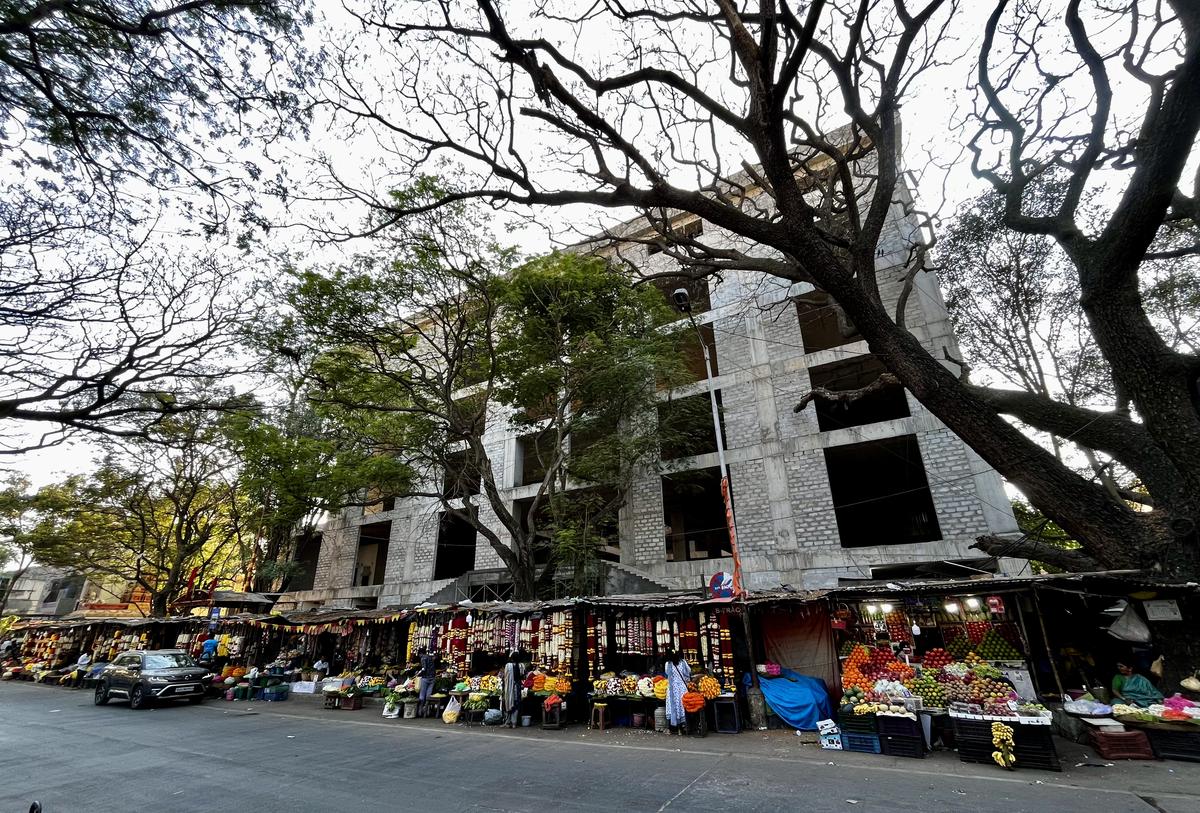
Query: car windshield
[[168, 661]]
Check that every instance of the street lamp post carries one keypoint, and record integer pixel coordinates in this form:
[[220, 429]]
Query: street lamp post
[[754, 696], [684, 304]]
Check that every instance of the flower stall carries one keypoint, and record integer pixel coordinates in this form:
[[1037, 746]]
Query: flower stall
[[626, 639]]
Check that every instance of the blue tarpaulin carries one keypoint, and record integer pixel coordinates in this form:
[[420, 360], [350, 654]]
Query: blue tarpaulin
[[799, 700]]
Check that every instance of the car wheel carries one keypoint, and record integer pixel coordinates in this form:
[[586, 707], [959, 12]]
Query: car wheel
[[137, 697], [196, 700], [101, 696]]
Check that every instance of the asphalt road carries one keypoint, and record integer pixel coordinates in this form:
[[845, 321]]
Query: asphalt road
[[55, 746]]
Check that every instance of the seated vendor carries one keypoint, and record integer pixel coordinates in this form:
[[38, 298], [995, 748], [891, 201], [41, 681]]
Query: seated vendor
[[1133, 689]]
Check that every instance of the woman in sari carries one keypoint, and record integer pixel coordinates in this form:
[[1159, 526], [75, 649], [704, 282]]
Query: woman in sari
[[678, 674], [1133, 689], [510, 692]]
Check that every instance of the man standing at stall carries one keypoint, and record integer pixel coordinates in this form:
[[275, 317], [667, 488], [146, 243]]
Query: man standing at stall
[[427, 672]]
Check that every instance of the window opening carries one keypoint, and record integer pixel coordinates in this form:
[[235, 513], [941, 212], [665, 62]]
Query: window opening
[[885, 404], [822, 324], [694, 516], [455, 553], [686, 428], [371, 562], [880, 493]]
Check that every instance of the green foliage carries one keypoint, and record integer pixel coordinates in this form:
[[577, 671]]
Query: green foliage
[[126, 82], [293, 469], [1038, 527], [413, 353], [26, 519], [155, 511]]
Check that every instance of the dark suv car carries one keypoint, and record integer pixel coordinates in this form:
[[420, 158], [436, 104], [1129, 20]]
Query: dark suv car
[[160, 674]]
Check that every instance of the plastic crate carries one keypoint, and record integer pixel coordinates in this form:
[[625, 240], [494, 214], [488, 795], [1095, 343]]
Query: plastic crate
[[862, 743], [981, 752], [275, 693], [898, 726], [1183, 745], [726, 719], [977, 730], [857, 723], [1122, 745], [897, 746], [696, 723]]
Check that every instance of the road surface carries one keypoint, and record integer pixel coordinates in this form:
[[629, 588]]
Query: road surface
[[74, 757]]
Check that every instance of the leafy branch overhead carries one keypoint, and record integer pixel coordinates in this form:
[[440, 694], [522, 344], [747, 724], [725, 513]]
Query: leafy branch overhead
[[125, 121], [783, 132]]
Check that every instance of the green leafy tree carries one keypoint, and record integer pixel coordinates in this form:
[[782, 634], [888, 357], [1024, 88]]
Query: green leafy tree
[[294, 468], [158, 514], [420, 351], [27, 519]]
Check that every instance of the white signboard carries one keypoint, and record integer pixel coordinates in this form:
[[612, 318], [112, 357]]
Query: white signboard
[[1166, 610], [1019, 678]]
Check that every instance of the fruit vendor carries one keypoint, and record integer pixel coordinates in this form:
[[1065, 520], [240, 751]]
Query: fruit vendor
[[1134, 689]]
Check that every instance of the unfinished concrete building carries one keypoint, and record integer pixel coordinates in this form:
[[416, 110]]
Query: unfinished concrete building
[[876, 489]]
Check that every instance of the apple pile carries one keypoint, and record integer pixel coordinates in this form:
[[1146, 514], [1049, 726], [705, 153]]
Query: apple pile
[[935, 659]]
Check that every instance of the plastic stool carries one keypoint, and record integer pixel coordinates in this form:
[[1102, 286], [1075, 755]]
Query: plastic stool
[[598, 710]]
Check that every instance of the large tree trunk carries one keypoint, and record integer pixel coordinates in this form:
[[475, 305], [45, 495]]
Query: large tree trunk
[[9, 588], [159, 604]]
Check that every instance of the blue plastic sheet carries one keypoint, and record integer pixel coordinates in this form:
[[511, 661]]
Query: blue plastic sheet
[[799, 700]]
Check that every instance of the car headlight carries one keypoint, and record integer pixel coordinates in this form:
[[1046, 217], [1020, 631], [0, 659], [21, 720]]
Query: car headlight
[[155, 679]]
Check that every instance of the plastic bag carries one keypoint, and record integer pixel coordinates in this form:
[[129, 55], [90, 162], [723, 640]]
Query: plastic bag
[[1156, 668], [1130, 627], [450, 715]]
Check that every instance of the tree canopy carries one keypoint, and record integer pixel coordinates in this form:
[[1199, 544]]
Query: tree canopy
[[781, 126], [444, 335], [123, 121]]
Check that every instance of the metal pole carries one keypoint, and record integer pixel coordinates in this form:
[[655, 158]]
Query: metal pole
[[754, 699], [726, 495]]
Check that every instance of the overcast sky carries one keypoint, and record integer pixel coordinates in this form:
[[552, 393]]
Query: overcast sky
[[928, 119]]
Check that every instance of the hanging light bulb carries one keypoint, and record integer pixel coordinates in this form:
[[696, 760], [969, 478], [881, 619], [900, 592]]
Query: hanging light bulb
[[887, 608], [470, 618], [872, 609], [972, 603], [951, 607]]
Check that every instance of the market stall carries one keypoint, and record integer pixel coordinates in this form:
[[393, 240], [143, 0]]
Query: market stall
[[939, 663], [51, 646], [627, 638]]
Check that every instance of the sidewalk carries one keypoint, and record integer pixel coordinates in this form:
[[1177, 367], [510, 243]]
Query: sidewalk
[[1082, 768]]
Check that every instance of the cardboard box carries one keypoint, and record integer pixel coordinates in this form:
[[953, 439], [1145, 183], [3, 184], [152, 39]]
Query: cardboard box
[[827, 727], [831, 742], [304, 687]]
